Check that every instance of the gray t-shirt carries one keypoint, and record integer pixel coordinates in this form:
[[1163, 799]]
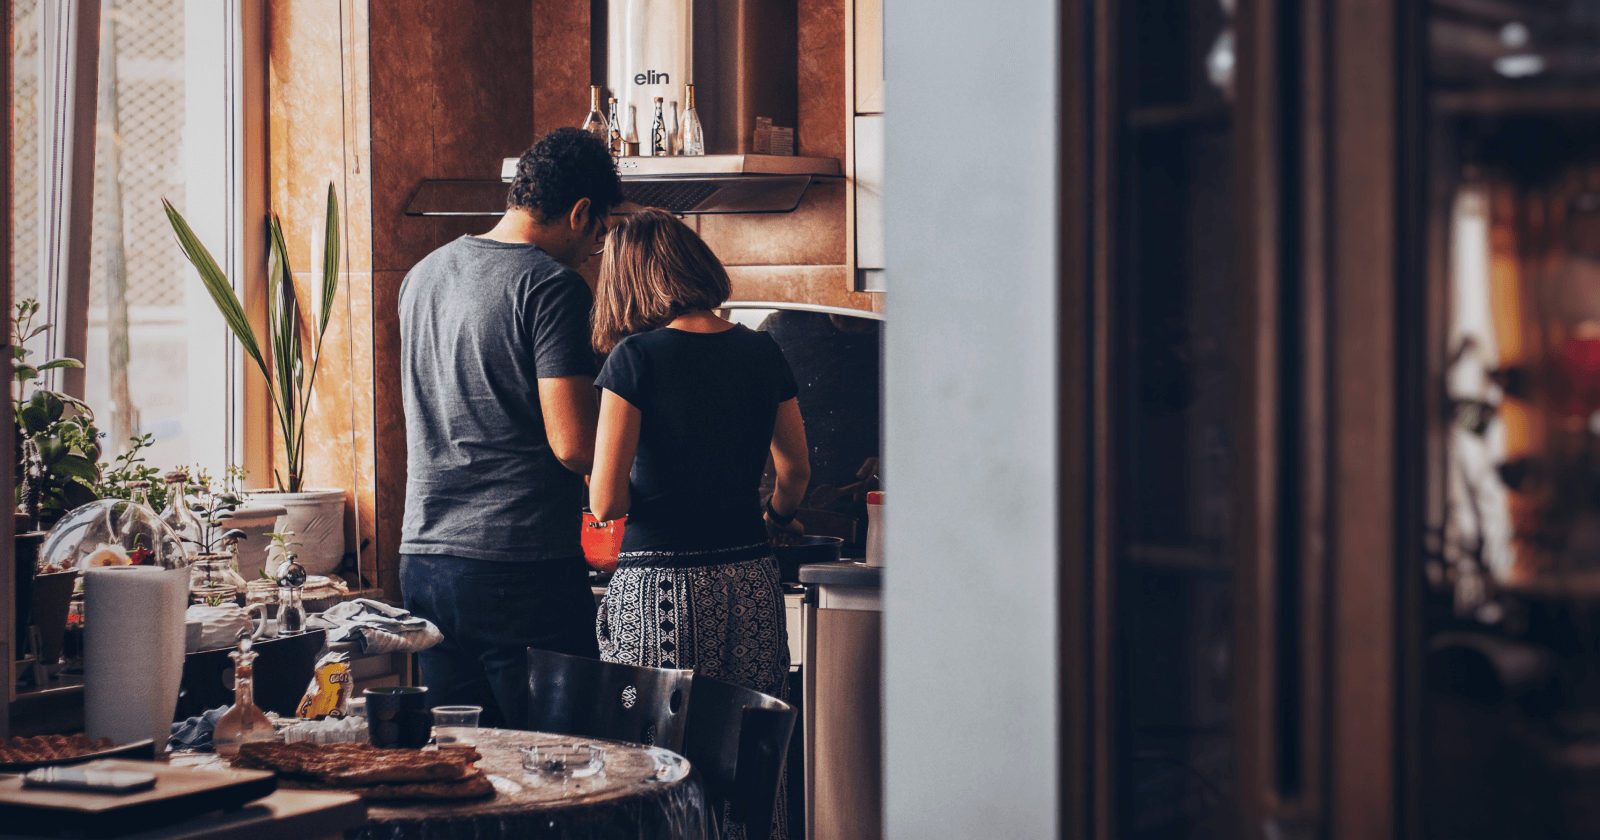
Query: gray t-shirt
[[480, 323]]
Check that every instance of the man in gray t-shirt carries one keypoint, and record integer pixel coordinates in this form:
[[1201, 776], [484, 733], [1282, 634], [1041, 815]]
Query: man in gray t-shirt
[[498, 379]]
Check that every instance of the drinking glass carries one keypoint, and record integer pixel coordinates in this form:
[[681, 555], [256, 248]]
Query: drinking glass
[[456, 727]]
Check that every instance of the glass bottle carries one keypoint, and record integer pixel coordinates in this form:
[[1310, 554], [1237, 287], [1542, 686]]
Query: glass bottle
[[616, 128], [596, 123], [673, 146], [630, 140], [177, 514], [243, 722], [658, 131], [134, 530], [291, 589], [691, 136]]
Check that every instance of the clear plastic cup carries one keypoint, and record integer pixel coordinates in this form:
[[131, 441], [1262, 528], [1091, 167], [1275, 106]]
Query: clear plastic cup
[[456, 727]]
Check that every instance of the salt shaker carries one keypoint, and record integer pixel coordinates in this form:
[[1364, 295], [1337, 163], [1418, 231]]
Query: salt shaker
[[291, 587]]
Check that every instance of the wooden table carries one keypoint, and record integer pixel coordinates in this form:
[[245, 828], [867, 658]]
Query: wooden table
[[285, 815], [643, 792]]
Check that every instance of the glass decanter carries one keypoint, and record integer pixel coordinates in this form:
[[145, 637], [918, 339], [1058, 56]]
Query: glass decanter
[[291, 588], [658, 131], [615, 122], [691, 137], [596, 123], [177, 514], [243, 722]]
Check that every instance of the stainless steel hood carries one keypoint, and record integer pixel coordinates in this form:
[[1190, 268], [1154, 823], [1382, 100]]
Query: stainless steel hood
[[715, 183], [705, 184]]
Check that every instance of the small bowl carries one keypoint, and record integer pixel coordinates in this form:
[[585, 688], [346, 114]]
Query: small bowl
[[563, 761]]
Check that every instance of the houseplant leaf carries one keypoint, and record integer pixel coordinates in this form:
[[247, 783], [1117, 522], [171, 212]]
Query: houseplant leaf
[[216, 284]]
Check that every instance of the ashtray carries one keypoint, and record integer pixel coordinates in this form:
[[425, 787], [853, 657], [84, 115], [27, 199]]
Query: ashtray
[[563, 761]]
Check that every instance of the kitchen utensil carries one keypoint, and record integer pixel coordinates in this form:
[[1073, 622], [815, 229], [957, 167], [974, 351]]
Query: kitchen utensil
[[602, 541], [809, 549]]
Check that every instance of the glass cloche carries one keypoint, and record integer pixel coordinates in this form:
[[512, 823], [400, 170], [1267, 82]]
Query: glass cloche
[[110, 532]]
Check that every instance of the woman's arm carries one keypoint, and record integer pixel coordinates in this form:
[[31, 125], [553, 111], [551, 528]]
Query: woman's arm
[[616, 440], [790, 457]]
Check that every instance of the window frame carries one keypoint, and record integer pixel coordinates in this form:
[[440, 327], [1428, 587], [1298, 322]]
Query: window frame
[[225, 195]]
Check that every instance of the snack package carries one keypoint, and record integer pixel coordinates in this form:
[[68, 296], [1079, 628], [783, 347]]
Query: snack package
[[329, 692]]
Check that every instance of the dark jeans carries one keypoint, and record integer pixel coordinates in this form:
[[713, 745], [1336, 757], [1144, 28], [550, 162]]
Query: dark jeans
[[490, 614]]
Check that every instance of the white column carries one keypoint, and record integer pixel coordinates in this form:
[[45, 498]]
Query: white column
[[970, 610]]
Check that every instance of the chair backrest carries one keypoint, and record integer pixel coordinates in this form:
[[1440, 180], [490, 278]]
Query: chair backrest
[[738, 738], [283, 669], [574, 695]]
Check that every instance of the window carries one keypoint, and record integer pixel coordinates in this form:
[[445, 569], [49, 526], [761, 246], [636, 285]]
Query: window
[[166, 122]]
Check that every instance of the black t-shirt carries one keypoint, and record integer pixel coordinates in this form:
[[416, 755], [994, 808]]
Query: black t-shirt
[[707, 403], [481, 322]]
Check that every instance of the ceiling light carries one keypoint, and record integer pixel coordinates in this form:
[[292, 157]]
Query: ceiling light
[[1519, 66], [1514, 35]]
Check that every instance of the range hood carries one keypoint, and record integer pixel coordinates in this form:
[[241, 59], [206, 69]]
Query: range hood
[[742, 57], [704, 184]]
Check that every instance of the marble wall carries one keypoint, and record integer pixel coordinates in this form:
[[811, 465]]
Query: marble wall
[[318, 134]]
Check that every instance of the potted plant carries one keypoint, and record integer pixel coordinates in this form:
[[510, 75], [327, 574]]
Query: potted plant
[[57, 442], [55, 462], [316, 515]]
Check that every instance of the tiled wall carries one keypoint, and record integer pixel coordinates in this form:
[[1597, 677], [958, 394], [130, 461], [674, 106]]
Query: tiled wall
[[446, 90]]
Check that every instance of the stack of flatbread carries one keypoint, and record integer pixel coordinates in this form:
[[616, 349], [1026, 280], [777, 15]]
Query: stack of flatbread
[[371, 772]]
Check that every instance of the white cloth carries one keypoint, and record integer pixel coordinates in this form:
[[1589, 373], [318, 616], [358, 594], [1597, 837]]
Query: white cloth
[[373, 627]]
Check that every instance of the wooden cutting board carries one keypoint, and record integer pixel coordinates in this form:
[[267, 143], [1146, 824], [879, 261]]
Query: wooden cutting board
[[179, 794]]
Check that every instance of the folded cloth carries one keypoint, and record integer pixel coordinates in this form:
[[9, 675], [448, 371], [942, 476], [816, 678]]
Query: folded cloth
[[195, 733], [371, 627]]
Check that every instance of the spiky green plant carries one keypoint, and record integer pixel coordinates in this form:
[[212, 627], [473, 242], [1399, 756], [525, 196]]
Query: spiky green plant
[[289, 378]]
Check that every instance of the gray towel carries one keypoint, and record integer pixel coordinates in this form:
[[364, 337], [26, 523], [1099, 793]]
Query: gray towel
[[372, 627]]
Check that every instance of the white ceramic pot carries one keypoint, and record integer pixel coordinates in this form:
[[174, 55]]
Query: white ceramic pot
[[219, 627], [317, 519], [256, 520]]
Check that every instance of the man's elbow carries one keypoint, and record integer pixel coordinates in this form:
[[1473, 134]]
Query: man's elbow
[[579, 459]]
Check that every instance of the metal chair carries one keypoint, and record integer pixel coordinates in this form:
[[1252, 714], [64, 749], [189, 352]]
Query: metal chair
[[574, 695], [738, 738]]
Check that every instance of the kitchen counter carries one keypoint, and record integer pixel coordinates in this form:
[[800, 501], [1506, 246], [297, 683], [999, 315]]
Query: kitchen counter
[[842, 573]]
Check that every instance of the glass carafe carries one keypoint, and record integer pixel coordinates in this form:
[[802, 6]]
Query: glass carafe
[[243, 722], [177, 514]]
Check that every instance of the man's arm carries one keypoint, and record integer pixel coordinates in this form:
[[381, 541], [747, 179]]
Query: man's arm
[[570, 410]]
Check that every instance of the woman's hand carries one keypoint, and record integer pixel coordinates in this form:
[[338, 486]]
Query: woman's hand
[[781, 532]]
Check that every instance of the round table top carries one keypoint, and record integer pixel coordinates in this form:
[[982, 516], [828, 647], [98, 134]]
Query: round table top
[[643, 792], [631, 771]]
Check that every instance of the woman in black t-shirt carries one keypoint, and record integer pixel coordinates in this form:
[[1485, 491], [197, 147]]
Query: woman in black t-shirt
[[690, 407]]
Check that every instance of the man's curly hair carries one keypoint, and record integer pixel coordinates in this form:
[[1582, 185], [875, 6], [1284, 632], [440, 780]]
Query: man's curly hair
[[568, 164]]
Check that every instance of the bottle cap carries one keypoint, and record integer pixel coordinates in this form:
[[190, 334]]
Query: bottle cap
[[177, 475], [658, 99]]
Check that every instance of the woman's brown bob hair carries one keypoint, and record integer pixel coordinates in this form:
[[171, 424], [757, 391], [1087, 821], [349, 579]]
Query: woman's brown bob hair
[[654, 268]]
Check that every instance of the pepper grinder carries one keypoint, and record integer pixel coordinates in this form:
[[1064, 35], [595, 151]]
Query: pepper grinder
[[291, 586]]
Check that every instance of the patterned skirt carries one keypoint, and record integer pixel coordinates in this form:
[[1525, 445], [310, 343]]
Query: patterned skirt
[[719, 613]]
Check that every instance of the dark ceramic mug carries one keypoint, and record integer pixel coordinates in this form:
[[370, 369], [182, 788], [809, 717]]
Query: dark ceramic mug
[[397, 717]]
